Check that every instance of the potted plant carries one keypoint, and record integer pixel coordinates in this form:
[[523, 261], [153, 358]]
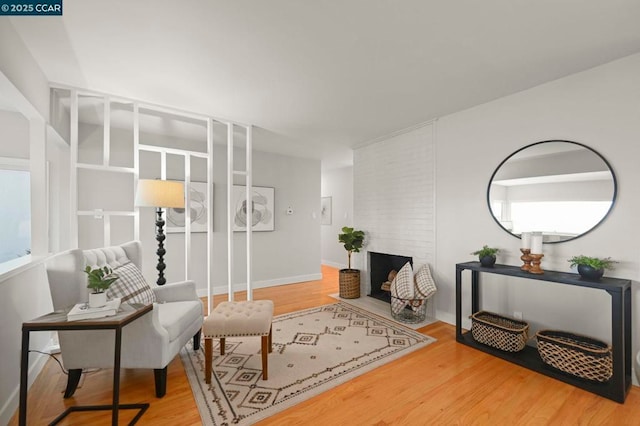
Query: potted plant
[[99, 280], [487, 256], [591, 268], [350, 278]]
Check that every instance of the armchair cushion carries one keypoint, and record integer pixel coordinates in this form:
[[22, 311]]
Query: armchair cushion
[[131, 286], [177, 316]]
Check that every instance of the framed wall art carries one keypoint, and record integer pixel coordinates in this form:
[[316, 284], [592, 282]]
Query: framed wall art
[[198, 205], [260, 213], [325, 211]]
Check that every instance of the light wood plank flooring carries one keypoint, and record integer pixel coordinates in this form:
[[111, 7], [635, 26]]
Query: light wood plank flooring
[[442, 384]]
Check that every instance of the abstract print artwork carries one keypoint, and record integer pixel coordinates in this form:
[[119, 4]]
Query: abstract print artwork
[[325, 212], [260, 212], [198, 205]]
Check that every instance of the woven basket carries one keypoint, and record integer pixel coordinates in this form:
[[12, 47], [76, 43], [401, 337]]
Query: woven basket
[[349, 283], [500, 332], [580, 356]]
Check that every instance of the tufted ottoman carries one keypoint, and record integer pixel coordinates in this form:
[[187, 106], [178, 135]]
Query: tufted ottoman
[[238, 319]]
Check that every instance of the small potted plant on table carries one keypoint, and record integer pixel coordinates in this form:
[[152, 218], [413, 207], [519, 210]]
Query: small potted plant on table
[[487, 256], [591, 268], [99, 280], [350, 278]]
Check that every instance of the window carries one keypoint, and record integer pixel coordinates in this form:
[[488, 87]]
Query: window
[[15, 210]]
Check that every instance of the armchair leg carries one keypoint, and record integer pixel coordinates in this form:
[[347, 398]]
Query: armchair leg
[[196, 340], [72, 381], [160, 375]]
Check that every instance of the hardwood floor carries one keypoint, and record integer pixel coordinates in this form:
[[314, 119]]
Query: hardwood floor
[[442, 384]]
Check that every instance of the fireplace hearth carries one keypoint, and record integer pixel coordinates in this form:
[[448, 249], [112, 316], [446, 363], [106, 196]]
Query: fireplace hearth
[[380, 264]]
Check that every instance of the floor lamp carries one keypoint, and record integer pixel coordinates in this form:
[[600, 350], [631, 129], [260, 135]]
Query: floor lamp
[[160, 193]]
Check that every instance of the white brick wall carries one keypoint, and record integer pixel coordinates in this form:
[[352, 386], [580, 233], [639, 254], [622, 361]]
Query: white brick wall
[[394, 192]]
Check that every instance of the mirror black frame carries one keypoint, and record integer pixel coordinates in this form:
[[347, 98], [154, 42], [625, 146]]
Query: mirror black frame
[[613, 199]]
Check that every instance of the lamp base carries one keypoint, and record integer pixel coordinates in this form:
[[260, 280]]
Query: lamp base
[[160, 237]]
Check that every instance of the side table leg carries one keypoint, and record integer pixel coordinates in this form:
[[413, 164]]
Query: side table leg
[[116, 377], [24, 377]]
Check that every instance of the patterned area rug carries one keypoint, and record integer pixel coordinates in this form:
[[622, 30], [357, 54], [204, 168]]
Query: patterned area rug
[[313, 351]]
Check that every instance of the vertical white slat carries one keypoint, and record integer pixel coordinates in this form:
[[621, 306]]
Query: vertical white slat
[[73, 174], [187, 217], [209, 213], [106, 223], [38, 170], [230, 210], [106, 143], [249, 196], [136, 166], [106, 160]]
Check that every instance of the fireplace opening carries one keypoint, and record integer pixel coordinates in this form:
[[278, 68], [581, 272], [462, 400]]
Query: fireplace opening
[[380, 264]]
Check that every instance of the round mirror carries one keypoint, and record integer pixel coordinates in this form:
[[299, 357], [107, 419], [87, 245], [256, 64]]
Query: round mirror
[[560, 188]]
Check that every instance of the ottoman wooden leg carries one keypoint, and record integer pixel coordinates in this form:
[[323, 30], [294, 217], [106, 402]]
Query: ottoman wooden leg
[[265, 353], [208, 355], [222, 346], [270, 339]]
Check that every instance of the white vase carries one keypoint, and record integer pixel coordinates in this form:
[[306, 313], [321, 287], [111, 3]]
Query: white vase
[[97, 300]]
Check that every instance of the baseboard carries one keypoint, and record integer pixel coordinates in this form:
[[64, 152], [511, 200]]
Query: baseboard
[[334, 264], [9, 408], [222, 288]]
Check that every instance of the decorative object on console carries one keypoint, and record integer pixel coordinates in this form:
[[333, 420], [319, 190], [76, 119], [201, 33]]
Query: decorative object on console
[[99, 280], [536, 253], [525, 248], [591, 268], [160, 193], [581, 356], [350, 278], [487, 256], [409, 294]]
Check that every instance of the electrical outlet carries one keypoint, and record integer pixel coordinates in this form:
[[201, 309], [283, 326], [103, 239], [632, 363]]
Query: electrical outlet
[[517, 315]]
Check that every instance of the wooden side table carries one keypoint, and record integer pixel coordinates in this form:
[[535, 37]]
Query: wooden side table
[[57, 321]]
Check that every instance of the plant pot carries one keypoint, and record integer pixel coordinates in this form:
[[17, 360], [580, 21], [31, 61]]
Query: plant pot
[[97, 300], [349, 283], [589, 273], [488, 261]]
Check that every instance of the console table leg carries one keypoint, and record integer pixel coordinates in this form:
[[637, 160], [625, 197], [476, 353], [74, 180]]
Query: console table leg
[[475, 292], [618, 345]]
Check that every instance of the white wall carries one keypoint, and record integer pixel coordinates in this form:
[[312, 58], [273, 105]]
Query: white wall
[[289, 254], [394, 198], [600, 108], [24, 296], [21, 69], [337, 184]]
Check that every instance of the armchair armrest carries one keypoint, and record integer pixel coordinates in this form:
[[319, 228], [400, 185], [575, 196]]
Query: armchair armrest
[[176, 292]]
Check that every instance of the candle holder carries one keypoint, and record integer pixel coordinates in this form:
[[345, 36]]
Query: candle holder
[[535, 267], [526, 259]]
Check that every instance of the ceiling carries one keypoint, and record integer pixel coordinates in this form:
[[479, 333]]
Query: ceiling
[[319, 78]]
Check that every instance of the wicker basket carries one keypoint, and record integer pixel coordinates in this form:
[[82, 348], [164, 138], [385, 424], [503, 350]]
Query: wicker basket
[[500, 332], [580, 356], [410, 311], [349, 283]]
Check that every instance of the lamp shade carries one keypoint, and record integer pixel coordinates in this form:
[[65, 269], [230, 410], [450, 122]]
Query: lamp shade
[[159, 193]]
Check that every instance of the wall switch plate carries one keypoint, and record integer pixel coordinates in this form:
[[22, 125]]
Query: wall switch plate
[[517, 315]]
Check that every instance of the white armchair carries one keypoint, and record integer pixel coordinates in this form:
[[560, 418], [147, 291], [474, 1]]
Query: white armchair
[[151, 341]]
